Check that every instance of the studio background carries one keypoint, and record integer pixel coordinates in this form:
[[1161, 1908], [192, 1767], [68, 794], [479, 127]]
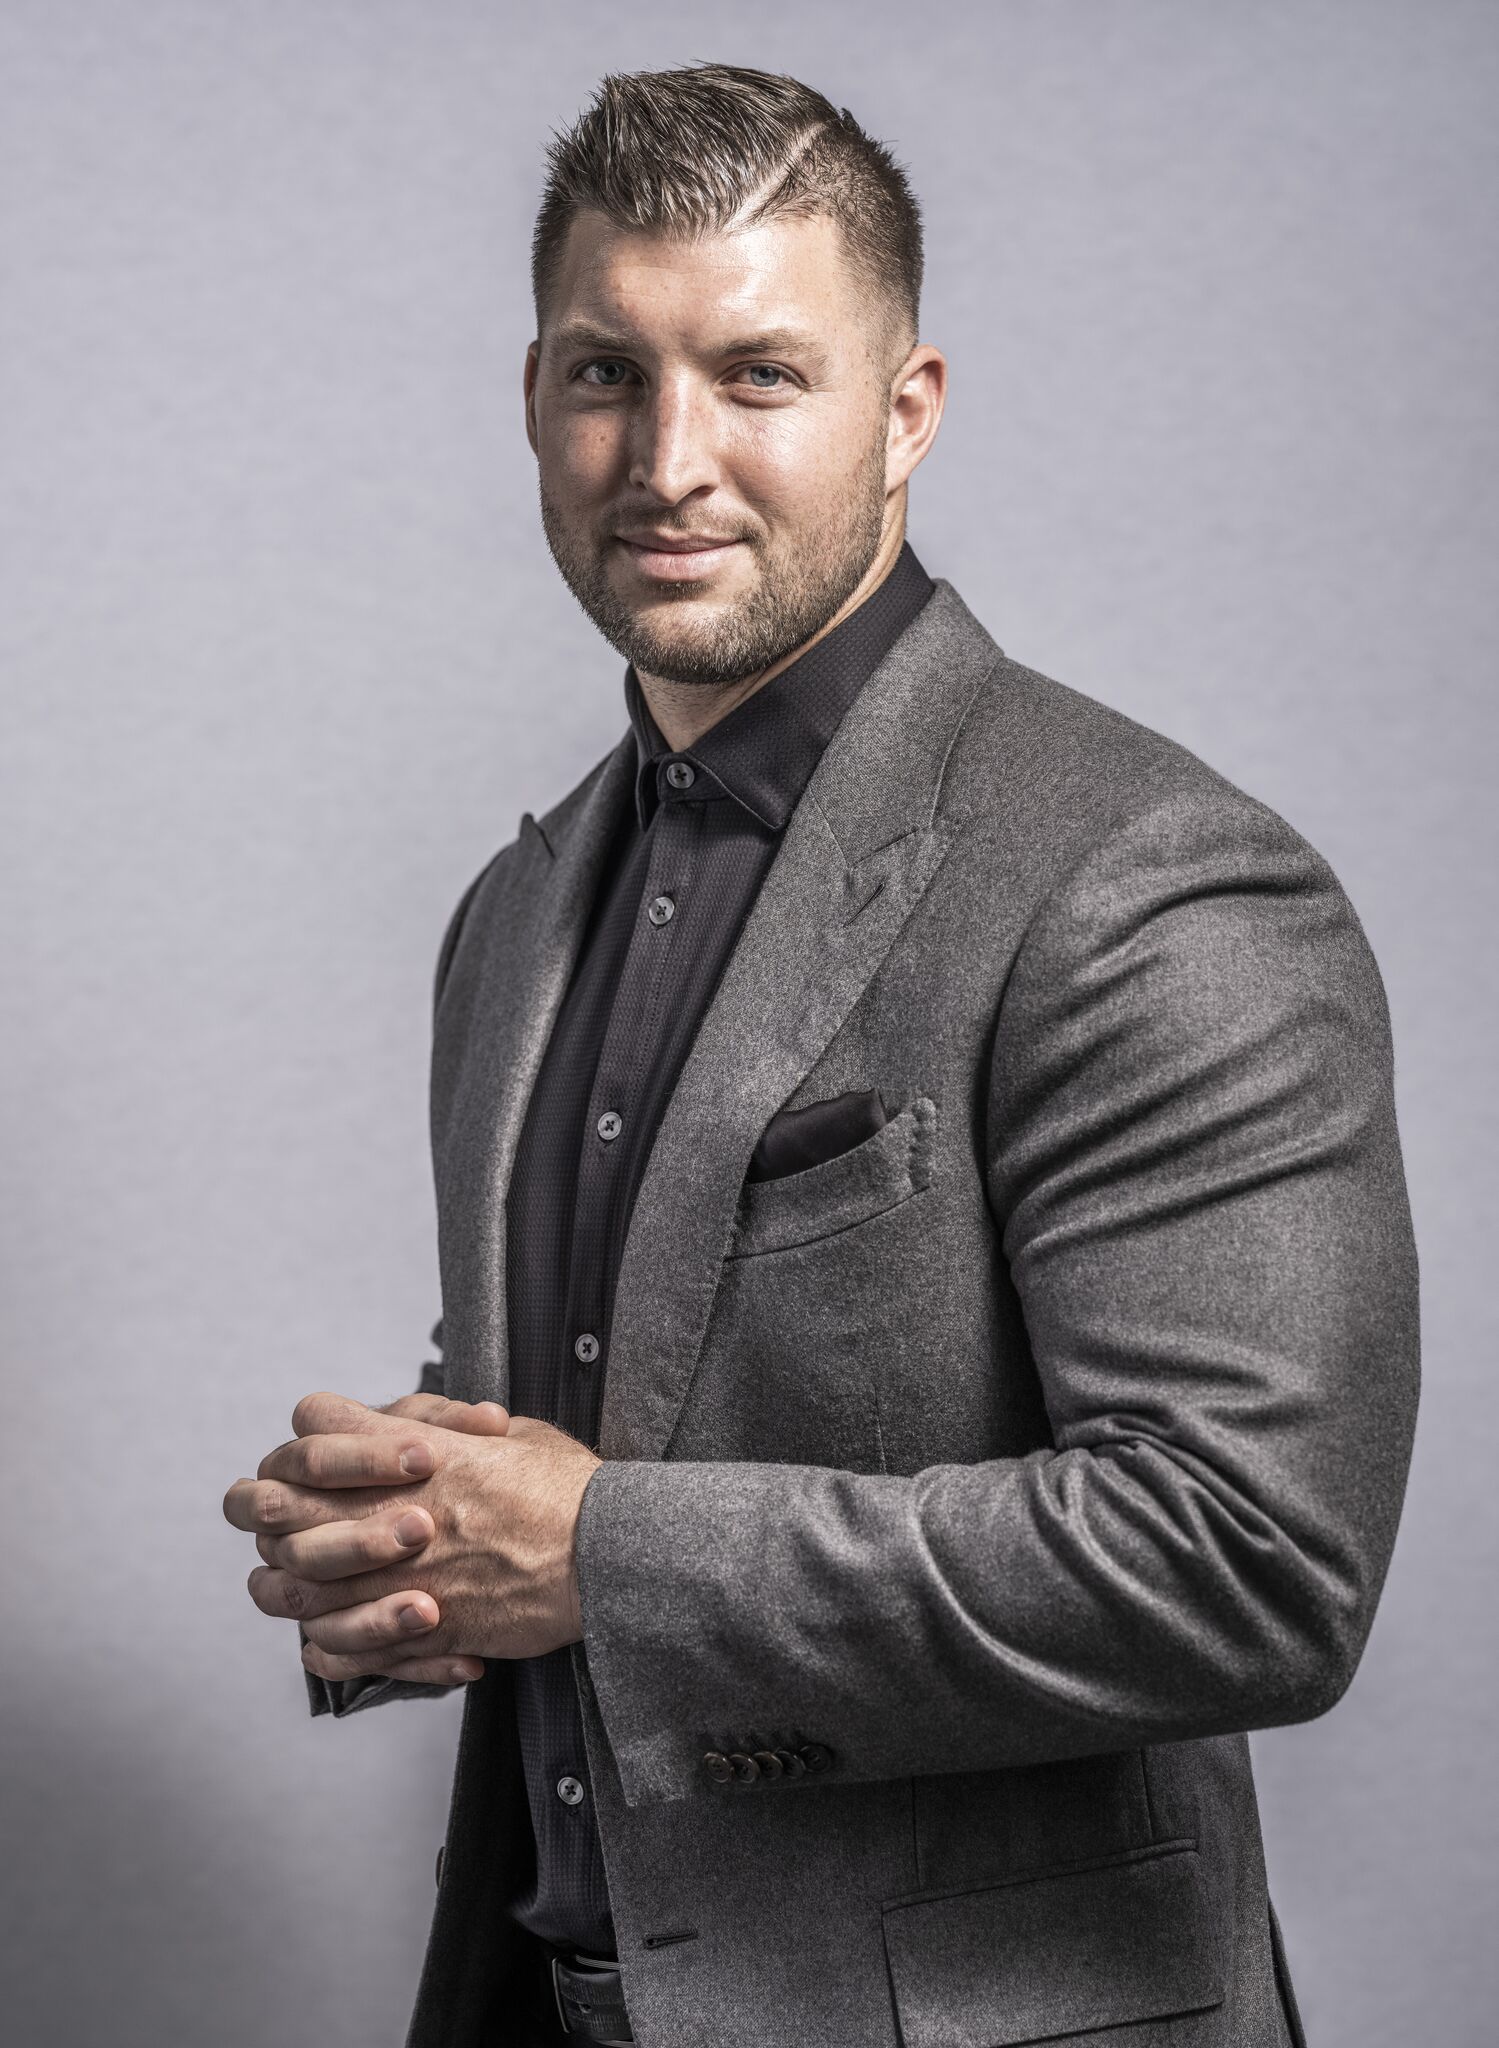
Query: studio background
[[284, 657]]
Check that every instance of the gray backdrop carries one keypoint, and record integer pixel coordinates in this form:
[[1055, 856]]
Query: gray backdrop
[[285, 656]]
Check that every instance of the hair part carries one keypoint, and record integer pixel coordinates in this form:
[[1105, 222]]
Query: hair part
[[713, 147]]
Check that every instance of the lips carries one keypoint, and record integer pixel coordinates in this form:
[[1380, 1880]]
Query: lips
[[676, 558], [676, 544]]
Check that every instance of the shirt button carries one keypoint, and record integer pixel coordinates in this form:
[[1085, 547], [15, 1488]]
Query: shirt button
[[586, 1347], [661, 908], [610, 1124], [680, 774], [569, 1791]]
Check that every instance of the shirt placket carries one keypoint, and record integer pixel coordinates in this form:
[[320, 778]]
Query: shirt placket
[[634, 1036]]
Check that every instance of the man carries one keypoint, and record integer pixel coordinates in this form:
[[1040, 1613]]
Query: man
[[929, 1314]]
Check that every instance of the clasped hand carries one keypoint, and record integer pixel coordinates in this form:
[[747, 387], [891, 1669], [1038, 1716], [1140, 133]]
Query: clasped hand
[[417, 1539]]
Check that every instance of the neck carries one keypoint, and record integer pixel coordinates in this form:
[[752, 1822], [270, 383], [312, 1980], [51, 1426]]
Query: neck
[[685, 711]]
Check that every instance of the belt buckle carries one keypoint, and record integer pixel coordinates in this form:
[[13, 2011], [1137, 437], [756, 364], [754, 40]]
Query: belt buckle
[[555, 1959]]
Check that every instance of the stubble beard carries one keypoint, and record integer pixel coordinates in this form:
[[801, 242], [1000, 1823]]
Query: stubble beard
[[804, 580]]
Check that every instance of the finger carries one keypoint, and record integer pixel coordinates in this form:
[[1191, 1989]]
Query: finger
[[288, 1596], [415, 1670], [395, 1459], [394, 1623], [272, 1507], [477, 1418], [335, 1550], [323, 1413]]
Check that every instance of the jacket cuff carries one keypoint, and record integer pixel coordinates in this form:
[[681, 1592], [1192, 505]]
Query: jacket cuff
[[686, 1656], [340, 1696]]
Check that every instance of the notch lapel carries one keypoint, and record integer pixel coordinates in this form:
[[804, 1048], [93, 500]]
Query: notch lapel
[[856, 855]]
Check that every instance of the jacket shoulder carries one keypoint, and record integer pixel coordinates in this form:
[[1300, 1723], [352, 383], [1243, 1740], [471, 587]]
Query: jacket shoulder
[[1062, 774]]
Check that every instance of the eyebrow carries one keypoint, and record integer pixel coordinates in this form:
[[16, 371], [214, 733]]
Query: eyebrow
[[769, 341]]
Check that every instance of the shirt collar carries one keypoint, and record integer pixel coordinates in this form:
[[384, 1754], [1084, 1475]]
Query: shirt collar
[[762, 753]]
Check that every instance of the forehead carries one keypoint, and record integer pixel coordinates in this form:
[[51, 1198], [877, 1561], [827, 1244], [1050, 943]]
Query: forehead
[[784, 276]]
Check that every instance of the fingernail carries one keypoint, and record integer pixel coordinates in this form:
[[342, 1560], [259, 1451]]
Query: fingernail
[[410, 1531], [465, 1674], [412, 1620], [416, 1461]]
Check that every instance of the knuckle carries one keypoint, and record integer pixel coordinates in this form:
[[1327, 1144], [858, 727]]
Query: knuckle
[[315, 1461], [273, 1508]]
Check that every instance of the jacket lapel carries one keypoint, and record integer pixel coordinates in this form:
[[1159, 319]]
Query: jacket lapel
[[862, 845], [498, 1012]]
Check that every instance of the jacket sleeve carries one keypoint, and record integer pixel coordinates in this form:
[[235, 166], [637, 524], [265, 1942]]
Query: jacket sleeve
[[351, 1695], [1195, 1177]]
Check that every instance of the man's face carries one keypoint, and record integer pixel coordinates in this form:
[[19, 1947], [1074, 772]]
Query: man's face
[[720, 391]]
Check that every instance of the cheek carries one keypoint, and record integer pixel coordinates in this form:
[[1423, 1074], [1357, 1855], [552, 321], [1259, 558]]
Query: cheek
[[578, 455], [799, 463]]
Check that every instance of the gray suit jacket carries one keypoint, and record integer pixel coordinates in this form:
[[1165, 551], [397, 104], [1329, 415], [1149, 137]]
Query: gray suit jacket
[[1022, 1457]]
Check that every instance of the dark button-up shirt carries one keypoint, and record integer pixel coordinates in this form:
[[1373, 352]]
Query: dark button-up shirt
[[680, 879]]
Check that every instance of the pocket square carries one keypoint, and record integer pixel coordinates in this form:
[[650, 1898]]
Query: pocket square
[[798, 1138]]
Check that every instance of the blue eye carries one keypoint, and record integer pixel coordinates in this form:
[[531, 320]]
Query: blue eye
[[605, 382]]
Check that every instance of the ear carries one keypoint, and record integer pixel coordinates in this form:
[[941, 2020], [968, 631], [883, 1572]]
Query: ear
[[528, 385], [916, 401]]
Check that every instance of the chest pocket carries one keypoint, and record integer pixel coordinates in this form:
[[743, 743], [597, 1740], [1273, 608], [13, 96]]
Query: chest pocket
[[883, 1170]]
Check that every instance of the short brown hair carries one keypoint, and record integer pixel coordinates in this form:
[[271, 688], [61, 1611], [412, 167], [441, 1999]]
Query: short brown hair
[[714, 146]]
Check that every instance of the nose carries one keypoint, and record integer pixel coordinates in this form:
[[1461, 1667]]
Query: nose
[[671, 433]]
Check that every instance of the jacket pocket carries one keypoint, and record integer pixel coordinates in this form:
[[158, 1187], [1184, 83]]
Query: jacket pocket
[[1103, 1945], [883, 1170], [795, 1139]]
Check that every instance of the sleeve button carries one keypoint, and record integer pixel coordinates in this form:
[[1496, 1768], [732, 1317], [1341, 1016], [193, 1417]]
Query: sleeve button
[[717, 1765], [815, 1755], [791, 1763], [770, 1764], [745, 1767]]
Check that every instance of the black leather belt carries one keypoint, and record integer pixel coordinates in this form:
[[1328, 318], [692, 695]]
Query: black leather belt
[[589, 1991]]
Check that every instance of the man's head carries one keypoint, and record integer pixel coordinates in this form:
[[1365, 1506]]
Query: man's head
[[727, 274]]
